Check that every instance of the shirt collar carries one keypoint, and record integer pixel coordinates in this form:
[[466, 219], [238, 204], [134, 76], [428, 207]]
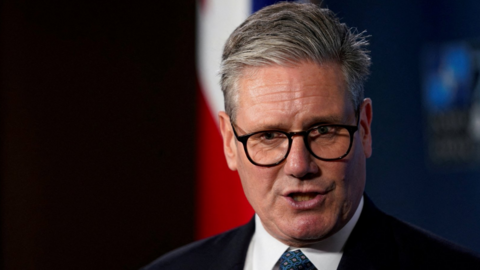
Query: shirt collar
[[265, 250]]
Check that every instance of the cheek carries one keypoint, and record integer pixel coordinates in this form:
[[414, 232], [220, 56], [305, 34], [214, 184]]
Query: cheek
[[348, 173], [335, 171], [257, 182], [354, 179]]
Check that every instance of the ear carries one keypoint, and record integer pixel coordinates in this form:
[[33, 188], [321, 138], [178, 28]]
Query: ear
[[365, 126], [229, 145]]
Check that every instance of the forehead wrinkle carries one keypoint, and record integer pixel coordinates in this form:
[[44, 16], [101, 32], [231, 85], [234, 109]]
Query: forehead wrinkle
[[286, 104], [272, 95], [282, 86], [281, 110], [287, 95]]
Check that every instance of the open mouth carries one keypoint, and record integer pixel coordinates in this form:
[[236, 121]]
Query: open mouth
[[302, 197]]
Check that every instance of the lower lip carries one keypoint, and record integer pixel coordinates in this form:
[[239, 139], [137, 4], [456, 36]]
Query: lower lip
[[306, 205]]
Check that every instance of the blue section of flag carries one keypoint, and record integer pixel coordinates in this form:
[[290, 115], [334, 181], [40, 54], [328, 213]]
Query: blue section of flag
[[259, 4]]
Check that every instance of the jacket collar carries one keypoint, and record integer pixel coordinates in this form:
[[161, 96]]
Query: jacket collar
[[371, 244], [235, 250]]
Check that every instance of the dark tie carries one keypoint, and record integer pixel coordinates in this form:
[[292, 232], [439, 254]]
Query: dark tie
[[295, 260]]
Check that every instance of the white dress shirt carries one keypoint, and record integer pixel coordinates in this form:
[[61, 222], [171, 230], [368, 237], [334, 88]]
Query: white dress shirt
[[264, 250]]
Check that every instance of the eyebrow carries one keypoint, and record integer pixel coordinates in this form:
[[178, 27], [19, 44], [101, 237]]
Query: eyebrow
[[329, 119]]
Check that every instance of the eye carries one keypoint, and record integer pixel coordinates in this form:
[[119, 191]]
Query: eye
[[323, 130], [269, 135]]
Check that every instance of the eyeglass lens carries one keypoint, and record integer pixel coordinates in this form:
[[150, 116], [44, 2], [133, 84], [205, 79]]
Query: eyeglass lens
[[325, 142]]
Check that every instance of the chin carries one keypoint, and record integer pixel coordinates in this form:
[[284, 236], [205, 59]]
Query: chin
[[310, 229]]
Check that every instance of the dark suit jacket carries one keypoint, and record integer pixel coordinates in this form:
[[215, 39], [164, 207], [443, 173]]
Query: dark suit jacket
[[378, 241]]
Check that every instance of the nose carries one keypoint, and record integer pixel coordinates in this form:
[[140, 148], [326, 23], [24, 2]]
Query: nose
[[300, 163]]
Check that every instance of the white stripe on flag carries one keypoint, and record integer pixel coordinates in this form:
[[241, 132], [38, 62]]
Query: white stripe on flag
[[216, 21]]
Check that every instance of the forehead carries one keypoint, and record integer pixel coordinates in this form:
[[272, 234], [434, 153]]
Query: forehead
[[278, 95]]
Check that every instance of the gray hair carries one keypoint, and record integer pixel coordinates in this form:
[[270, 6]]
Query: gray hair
[[287, 34]]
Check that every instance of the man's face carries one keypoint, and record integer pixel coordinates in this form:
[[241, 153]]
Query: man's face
[[303, 199]]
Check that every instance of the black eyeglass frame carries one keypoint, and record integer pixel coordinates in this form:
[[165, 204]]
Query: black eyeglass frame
[[244, 138]]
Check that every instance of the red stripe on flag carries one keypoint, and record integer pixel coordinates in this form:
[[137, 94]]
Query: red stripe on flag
[[221, 203]]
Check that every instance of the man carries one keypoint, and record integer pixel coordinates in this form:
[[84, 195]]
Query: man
[[297, 130]]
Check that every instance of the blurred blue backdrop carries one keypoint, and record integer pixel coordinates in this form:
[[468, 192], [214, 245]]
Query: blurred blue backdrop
[[401, 179]]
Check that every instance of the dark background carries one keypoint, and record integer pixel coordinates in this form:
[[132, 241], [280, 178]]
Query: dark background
[[97, 109], [97, 113]]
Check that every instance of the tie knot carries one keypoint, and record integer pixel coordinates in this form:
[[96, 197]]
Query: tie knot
[[295, 260]]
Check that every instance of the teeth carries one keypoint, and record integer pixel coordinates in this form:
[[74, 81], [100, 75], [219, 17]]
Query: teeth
[[301, 197]]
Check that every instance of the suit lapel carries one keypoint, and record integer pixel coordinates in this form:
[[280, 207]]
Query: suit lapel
[[235, 249], [371, 244]]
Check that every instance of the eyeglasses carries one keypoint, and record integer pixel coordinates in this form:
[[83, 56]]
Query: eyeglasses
[[325, 142]]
